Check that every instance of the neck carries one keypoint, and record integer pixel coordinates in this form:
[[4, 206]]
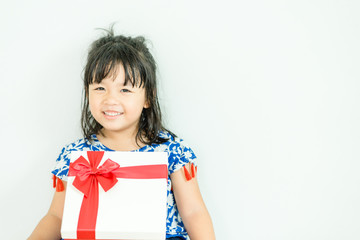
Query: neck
[[124, 141]]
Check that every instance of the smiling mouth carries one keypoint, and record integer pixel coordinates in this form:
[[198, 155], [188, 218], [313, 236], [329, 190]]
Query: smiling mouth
[[112, 114]]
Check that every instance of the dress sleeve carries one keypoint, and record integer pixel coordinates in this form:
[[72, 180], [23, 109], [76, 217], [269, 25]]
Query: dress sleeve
[[181, 154], [62, 164]]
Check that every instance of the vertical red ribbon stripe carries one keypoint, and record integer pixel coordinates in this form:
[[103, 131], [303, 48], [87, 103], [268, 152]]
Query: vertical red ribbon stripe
[[88, 176]]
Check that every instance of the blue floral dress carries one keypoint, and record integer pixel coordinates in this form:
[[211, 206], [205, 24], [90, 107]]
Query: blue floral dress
[[179, 154]]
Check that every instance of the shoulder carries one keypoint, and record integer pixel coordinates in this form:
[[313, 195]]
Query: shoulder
[[83, 144], [77, 144], [174, 143], [179, 152]]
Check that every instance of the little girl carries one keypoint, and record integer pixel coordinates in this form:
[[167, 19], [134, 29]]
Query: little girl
[[121, 112]]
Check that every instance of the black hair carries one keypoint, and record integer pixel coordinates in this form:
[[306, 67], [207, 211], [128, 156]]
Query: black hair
[[104, 55]]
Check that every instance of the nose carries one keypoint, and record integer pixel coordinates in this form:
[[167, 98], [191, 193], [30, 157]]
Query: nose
[[111, 98]]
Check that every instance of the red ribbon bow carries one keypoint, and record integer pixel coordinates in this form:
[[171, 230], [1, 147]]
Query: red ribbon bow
[[88, 173]]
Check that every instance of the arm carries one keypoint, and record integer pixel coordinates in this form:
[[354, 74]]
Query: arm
[[191, 207], [49, 226]]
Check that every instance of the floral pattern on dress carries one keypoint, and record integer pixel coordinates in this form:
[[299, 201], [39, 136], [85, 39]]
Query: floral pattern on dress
[[179, 154]]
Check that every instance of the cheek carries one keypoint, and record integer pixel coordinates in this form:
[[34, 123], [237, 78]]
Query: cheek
[[135, 108], [93, 104]]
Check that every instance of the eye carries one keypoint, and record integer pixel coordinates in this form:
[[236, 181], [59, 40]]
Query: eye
[[99, 89], [125, 90]]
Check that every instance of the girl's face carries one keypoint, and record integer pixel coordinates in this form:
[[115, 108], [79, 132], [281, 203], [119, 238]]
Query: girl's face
[[115, 106]]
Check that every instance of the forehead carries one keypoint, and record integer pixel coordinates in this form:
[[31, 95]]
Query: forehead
[[117, 76], [117, 72]]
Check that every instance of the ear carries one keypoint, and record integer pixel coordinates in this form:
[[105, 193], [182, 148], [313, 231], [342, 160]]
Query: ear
[[146, 105]]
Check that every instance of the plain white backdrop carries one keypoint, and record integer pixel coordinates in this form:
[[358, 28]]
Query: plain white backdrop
[[265, 92]]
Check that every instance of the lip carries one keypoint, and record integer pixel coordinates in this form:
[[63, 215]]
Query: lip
[[109, 114]]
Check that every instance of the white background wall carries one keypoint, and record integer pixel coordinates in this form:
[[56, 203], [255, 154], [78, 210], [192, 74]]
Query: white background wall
[[266, 93]]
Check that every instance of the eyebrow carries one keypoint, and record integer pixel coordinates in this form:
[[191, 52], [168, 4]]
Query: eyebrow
[[127, 84]]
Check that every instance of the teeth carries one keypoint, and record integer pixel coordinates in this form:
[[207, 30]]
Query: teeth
[[112, 113]]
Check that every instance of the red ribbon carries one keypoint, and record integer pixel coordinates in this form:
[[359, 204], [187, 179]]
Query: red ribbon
[[88, 176]]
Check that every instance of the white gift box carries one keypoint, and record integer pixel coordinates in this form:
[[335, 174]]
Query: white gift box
[[132, 209]]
